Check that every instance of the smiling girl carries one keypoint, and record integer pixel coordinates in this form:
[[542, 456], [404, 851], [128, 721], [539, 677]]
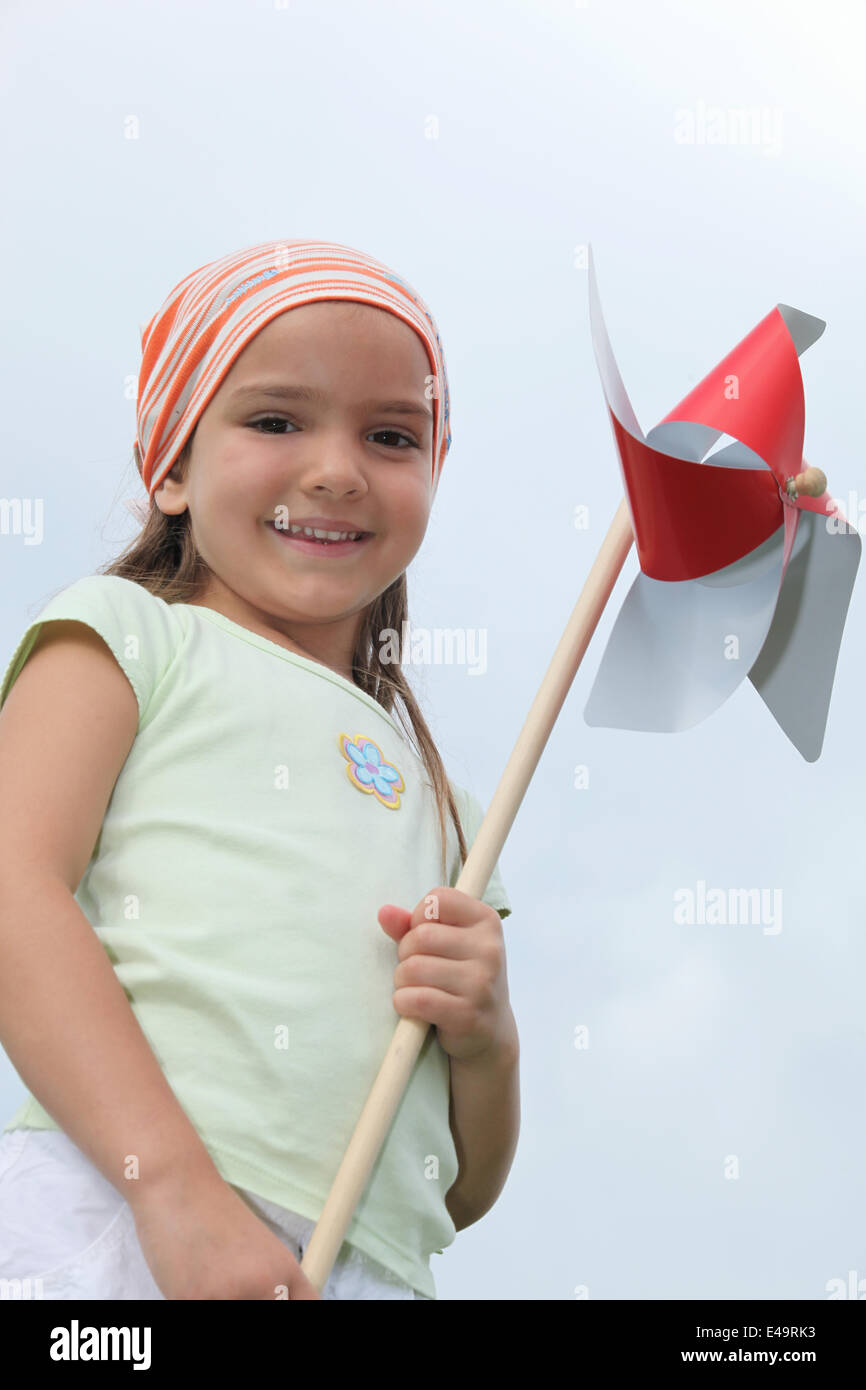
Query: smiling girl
[[209, 814]]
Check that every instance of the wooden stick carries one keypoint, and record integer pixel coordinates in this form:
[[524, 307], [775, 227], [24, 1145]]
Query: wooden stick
[[387, 1090]]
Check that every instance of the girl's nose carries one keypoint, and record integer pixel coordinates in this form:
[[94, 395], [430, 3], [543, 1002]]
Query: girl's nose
[[334, 464]]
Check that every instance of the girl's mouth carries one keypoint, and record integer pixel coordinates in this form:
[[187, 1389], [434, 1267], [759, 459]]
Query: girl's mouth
[[309, 545]]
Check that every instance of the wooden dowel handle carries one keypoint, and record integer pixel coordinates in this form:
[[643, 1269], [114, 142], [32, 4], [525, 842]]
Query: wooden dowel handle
[[393, 1076]]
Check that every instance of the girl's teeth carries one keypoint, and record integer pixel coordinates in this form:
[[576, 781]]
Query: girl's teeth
[[324, 537]]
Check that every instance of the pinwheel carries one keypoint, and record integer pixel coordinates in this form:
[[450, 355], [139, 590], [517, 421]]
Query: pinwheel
[[746, 561], [746, 566]]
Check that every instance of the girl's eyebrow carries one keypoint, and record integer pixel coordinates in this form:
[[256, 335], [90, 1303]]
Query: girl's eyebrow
[[313, 396]]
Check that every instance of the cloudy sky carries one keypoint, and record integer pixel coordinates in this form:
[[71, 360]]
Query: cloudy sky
[[693, 1124]]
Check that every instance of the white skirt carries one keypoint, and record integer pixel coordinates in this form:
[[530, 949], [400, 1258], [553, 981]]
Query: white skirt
[[66, 1232]]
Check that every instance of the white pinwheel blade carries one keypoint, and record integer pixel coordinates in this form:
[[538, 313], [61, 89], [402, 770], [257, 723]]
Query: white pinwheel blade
[[679, 650]]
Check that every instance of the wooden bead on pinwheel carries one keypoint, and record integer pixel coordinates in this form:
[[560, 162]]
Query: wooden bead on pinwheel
[[812, 482]]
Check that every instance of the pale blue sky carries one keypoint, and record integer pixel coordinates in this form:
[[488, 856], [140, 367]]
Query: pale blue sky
[[475, 149]]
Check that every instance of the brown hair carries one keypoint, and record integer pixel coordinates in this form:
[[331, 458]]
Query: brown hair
[[164, 560]]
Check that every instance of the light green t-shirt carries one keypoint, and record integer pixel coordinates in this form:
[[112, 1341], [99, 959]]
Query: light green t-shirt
[[235, 884]]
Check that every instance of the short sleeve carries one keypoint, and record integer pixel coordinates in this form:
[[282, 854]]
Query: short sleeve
[[140, 630], [471, 815]]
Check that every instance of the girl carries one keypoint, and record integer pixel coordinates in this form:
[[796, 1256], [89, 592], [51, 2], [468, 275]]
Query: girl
[[206, 808]]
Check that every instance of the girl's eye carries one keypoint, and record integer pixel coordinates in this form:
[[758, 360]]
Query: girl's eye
[[280, 420], [399, 435], [271, 419]]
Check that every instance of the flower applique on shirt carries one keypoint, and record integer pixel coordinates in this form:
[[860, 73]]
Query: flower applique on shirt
[[369, 771]]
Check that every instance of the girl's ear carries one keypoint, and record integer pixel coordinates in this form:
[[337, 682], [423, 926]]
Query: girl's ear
[[170, 496]]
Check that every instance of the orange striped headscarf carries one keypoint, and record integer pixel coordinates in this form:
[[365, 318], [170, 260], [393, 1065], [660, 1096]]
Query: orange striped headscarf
[[211, 315]]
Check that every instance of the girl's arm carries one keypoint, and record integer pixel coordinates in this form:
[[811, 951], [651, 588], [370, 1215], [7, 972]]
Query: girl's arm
[[484, 1117], [66, 729]]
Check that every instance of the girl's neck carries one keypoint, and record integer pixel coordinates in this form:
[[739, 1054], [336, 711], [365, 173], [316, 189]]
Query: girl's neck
[[330, 650]]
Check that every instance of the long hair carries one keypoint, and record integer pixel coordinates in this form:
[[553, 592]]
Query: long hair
[[164, 560]]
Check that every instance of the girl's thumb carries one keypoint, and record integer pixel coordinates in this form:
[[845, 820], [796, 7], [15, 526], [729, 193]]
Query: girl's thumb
[[394, 920]]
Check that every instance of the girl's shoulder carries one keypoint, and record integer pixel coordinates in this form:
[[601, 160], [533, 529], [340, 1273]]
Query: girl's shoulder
[[111, 593], [109, 590], [141, 630]]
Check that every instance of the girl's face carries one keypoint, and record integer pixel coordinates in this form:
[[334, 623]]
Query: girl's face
[[350, 455]]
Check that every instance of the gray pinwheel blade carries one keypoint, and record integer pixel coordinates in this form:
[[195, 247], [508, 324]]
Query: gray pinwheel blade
[[804, 328], [795, 669]]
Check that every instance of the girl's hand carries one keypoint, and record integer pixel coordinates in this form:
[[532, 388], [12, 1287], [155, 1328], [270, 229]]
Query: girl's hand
[[451, 970], [202, 1241]]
